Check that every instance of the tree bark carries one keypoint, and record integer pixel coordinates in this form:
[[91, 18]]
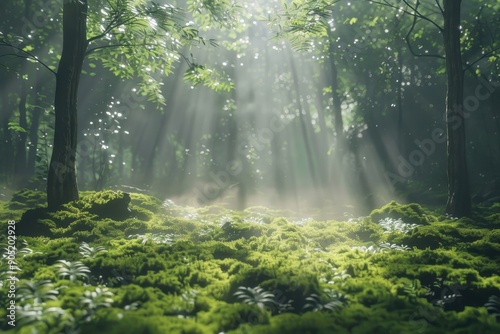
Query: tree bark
[[61, 183], [337, 104], [33, 133], [459, 200], [20, 158], [6, 111]]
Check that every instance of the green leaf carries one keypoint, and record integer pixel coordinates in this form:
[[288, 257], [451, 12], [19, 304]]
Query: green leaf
[[16, 127]]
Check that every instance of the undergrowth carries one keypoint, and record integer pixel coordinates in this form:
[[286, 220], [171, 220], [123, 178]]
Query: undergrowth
[[148, 266]]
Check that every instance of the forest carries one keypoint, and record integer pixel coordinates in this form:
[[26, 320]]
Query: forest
[[238, 167]]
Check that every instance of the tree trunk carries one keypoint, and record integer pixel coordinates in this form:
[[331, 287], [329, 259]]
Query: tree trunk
[[337, 104], [33, 135], [6, 110], [459, 201], [20, 158], [61, 184]]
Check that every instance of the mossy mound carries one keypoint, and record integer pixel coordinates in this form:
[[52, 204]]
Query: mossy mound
[[94, 215], [410, 213], [235, 230], [27, 199]]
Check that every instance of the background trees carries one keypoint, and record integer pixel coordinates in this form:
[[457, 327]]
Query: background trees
[[338, 111]]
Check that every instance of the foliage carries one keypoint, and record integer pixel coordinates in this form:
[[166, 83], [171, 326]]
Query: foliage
[[36, 292], [493, 306], [237, 276], [255, 296], [394, 214], [334, 300], [72, 270], [88, 251], [92, 301], [390, 225]]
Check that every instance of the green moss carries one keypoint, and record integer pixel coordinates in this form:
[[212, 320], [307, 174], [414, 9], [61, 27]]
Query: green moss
[[150, 203], [410, 213], [485, 248], [60, 249], [162, 280], [118, 322], [180, 272], [140, 213], [232, 231], [366, 231], [319, 323], [225, 317], [27, 199]]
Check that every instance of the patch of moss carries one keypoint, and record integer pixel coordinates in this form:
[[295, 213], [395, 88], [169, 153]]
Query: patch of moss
[[112, 321], [162, 280], [232, 231], [27, 199], [410, 213], [35, 222], [366, 230], [311, 322], [224, 317], [147, 202]]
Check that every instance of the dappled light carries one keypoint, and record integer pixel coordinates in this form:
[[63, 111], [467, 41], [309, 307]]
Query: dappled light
[[225, 166]]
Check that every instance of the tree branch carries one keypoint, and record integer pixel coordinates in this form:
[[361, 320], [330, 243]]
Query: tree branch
[[28, 55], [439, 6], [487, 54], [415, 13], [408, 41], [97, 48]]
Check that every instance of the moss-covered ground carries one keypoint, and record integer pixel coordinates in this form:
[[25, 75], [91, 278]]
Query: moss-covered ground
[[114, 263]]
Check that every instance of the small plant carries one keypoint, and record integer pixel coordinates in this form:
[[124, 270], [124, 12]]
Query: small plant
[[165, 239], [131, 307], [411, 290], [255, 296], [90, 252], [34, 314], [188, 299], [36, 292], [72, 270], [389, 246], [254, 219], [371, 249], [382, 247], [493, 306], [335, 300], [338, 276], [302, 222], [7, 270], [285, 307], [446, 295], [396, 225], [450, 217], [91, 301]]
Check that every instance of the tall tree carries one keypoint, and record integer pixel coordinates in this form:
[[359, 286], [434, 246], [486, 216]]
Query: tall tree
[[61, 181], [459, 198], [137, 38]]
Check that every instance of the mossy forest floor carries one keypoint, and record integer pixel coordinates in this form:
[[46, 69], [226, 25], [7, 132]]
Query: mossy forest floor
[[97, 267]]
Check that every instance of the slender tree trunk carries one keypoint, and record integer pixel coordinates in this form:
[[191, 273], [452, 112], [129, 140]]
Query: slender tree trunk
[[400, 130], [61, 184], [33, 132], [459, 201], [334, 82], [6, 148], [305, 127], [20, 158]]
